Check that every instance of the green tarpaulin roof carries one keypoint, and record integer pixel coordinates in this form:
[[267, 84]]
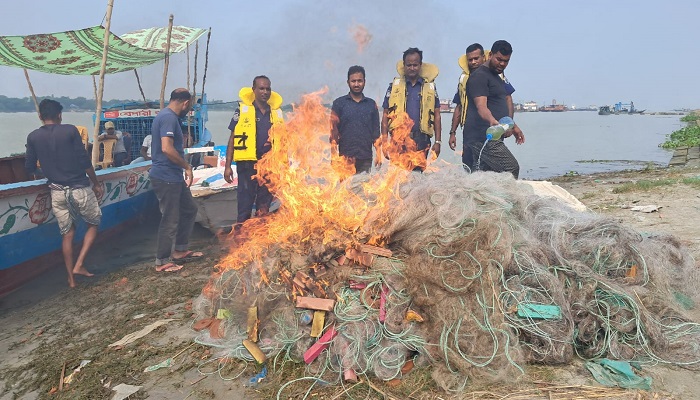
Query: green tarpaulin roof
[[156, 38], [80, 52]]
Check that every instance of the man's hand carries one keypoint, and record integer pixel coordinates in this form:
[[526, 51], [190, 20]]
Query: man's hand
[[452, 141], [436, 149], [99, 191], [519, 135], [189, 175], [228, 174]]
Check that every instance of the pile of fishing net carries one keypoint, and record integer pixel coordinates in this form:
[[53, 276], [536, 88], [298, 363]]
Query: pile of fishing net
[[484, 277]]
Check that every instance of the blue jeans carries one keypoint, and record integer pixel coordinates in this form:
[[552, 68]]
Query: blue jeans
[[178, 211]]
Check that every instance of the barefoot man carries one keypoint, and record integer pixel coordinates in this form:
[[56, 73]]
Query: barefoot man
[[66, 165]]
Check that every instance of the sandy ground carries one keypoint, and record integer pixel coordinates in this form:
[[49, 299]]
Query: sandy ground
[[44, 325]]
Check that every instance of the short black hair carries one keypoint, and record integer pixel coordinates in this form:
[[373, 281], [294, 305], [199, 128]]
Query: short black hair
[[501, 46], [180, 95], [473, 47], [49, 109], [413, 50], [260, 77], [356, 69]]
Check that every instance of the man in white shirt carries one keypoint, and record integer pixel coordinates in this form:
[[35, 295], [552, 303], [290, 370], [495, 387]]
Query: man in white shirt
[[145, 150]]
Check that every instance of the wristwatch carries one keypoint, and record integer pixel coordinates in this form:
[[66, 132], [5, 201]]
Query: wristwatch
[[453, 132], [438, 142]]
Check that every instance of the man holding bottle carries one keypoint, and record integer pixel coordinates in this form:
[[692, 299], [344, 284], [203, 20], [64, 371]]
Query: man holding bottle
[[487, 99]]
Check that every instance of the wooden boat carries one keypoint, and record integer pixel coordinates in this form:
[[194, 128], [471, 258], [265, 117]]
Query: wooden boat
[[216, 199], [30, 241], [29, 234]]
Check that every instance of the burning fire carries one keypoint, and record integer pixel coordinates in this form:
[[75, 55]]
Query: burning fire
[[361, 36], [322, 206]]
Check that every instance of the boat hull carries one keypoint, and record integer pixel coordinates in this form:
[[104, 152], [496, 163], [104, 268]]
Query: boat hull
[[30, 242], [216, 210]]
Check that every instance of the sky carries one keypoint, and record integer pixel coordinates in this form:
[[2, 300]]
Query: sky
[[578, 53]]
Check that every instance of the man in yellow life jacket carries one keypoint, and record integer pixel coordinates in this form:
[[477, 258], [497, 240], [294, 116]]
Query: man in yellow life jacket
[[413, 92], [257, 112]]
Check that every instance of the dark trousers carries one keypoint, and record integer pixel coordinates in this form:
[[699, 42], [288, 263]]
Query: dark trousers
[[495, 157], [119, 159], [364, 165], [178, 212], [250, 191]]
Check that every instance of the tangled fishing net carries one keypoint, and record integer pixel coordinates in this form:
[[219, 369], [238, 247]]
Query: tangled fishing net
[[484, 275]]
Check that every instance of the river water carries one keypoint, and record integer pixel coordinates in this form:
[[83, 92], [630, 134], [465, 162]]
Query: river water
[[555, 143]]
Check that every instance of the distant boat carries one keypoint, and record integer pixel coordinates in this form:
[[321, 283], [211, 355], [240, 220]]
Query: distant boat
[[604, 110], [619, 108], [553, 108]]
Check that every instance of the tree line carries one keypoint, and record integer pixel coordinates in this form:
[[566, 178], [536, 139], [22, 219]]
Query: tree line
[[26, 104]]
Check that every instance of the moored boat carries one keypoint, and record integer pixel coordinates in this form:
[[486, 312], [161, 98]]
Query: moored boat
[[30, 241], [216, 199], [29, 234]]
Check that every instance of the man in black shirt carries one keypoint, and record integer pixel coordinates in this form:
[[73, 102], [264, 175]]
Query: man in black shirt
[[488, 95], [65, 163], [355, 124]]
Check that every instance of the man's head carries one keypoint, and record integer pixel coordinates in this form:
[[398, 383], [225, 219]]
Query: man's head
[[180, 101], [262, 89], [50, 111], [109, 127], [412, 61], [475, 56], [500, 56], [356, 79]]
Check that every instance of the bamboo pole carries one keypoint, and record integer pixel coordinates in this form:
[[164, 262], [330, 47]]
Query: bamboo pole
[[189, 119], [194, 82], [206, 62], [194, 86], [188, 67], [100, 90], [167, 62], [138, 82], [31, 90], [94, 86]]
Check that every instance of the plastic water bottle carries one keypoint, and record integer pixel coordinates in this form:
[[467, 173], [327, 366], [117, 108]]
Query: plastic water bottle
[[496, 131], [306, 318]]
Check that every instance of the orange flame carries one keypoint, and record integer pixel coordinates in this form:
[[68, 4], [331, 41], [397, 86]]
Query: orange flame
[[361, 36], [321, 206]]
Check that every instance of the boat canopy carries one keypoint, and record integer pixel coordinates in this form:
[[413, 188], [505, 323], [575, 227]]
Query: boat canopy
[[79, 52]]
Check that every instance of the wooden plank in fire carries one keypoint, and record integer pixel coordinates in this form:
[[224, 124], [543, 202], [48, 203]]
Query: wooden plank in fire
[[359, 257], [310, 284], [380, 251], [319, 270], [253, 323], [313, 303]]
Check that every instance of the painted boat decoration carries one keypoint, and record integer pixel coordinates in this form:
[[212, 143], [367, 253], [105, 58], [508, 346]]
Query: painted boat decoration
[[29, 235]]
